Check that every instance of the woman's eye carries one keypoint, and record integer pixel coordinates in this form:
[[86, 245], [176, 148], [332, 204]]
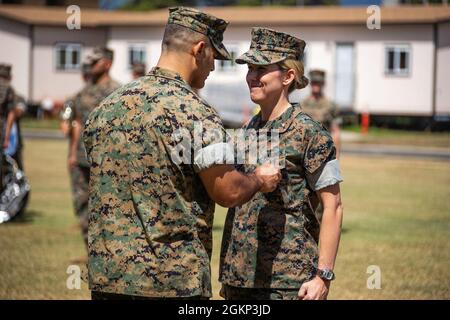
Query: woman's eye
[[261, 69]]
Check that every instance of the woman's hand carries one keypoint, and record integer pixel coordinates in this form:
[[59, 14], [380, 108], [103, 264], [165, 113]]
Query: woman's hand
[[316, 289]]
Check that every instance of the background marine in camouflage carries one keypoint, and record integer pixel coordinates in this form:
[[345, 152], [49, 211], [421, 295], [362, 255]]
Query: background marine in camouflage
[[321, 109], [98, 86], [150, 217], [12, 108], [138, 70]]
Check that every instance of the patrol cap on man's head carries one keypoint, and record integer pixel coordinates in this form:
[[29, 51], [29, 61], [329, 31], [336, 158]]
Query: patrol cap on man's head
[[86, 68], [5, 70], [269, 46], [101, 53], [86, 65], [204, 23], [317, 76]]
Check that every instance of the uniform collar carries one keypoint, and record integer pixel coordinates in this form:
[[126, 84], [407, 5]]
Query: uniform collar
[[166, 73], [282, 123]]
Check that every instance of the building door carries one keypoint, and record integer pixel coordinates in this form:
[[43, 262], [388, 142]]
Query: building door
[[345, 81]]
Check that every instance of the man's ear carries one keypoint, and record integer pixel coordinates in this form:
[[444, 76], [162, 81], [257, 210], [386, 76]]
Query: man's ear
[[199, 48], [107, 63]]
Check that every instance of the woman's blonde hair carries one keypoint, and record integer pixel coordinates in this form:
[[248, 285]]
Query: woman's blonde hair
[[300, 81]]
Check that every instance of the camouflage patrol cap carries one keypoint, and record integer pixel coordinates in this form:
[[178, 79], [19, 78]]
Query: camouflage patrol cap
[[100, 53], [269, 46], [317, 76], [204, 23], [86, 65], [5, 70]]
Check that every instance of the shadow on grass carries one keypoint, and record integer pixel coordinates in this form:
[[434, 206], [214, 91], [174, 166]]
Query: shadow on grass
[[219, 228], [26, 217]]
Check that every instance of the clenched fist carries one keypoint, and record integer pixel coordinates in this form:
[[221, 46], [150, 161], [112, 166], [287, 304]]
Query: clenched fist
[[269, 175]]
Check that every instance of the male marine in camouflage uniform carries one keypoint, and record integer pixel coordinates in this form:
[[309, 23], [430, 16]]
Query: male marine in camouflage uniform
[[12, 108], [99, 86], [270, 244], [150, 215], [321, 109], [67, 112]]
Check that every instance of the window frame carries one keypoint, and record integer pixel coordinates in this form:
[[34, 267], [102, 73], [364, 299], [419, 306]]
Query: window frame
[[67, 67], [228, 66], [397, 50], [131, 48]]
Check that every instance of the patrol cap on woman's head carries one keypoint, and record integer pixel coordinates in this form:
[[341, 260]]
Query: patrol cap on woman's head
[[269, 46], [204, 23]]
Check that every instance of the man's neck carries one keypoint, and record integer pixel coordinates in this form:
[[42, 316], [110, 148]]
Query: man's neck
[[317, 96], [177, 63], [104, 78]]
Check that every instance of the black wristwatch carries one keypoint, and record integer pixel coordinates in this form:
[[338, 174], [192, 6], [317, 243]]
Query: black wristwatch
[[326, 274]]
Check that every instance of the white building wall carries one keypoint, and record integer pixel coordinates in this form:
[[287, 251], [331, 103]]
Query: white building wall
[[47, 80], [373, 90], [120, 38], [443, 70], [379, 93], [16, 48]]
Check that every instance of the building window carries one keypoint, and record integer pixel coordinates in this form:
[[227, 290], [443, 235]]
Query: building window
[[68, 56], [228, 65], [136, 54], [397, 60]]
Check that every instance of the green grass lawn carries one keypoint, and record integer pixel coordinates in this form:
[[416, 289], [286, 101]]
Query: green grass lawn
[[402, 137], [40, 124], [396, 216]]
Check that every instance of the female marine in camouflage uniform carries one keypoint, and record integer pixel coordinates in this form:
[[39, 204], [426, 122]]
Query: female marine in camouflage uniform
[[270, 248]]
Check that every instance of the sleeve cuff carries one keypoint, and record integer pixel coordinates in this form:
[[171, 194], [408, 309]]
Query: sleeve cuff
[[218, 153], [328, 176]]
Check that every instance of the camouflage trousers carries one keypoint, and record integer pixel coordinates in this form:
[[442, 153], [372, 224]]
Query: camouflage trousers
[[80, 194], [235, 293], [97, 295]]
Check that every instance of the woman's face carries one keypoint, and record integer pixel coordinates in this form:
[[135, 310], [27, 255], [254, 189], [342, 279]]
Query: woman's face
[[265, 82]]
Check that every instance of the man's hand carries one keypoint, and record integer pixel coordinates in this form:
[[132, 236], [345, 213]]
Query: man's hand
[[269, 175], [6, 143], [316, 289], [65, 127], [72, 161]]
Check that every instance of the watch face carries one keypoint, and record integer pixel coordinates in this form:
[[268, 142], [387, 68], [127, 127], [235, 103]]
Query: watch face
[[327, 275]]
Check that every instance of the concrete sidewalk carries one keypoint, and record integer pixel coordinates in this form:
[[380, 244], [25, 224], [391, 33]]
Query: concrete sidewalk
[[350, 145]]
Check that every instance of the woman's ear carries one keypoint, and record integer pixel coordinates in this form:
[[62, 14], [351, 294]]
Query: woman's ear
[[289, 76]]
